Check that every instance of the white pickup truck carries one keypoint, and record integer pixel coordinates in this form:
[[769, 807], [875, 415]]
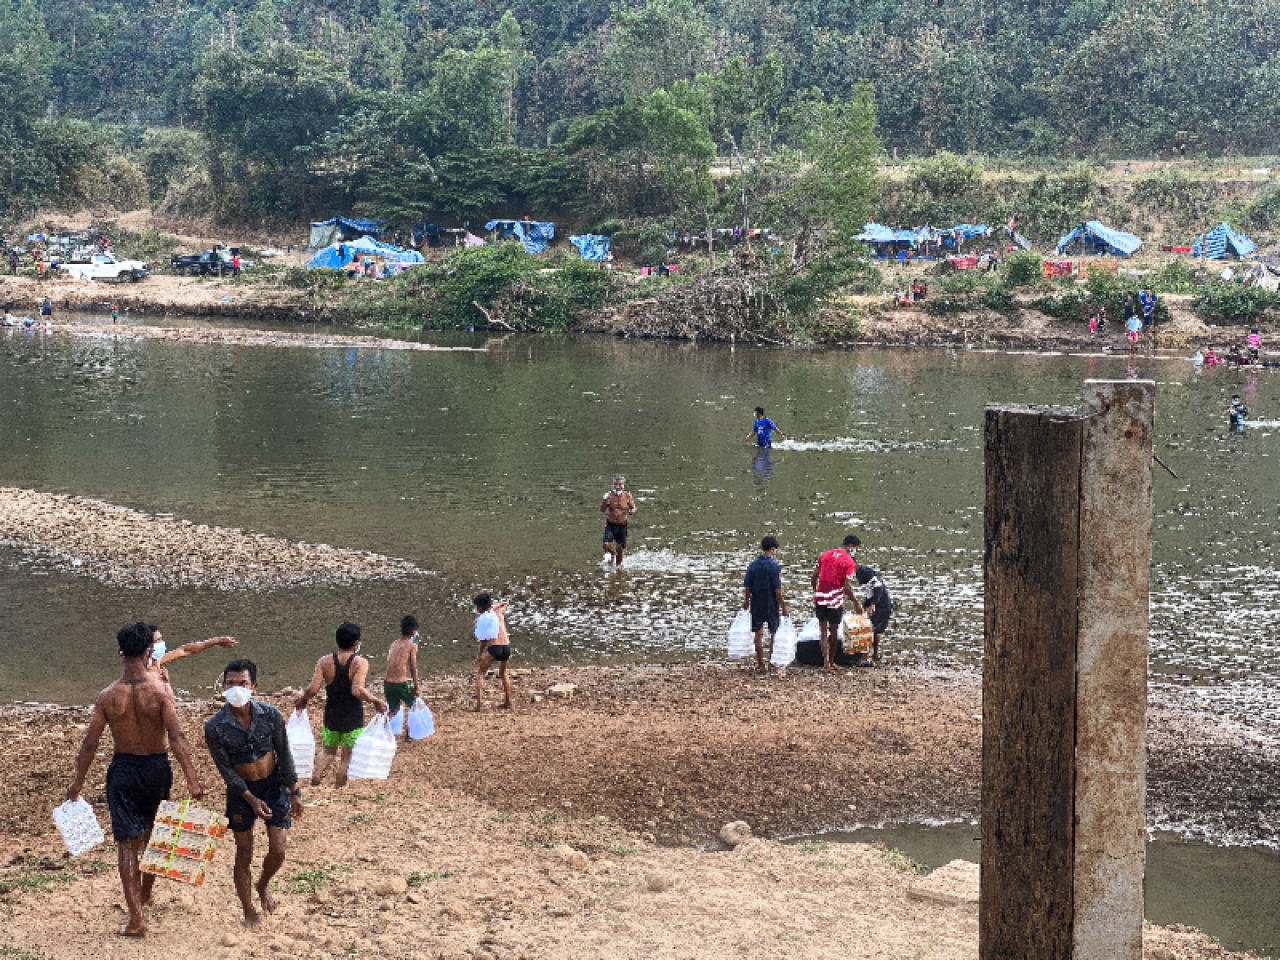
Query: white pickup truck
[[105, 266]]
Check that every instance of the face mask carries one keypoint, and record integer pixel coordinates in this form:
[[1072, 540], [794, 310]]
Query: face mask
[[158, 651], [238, 696]]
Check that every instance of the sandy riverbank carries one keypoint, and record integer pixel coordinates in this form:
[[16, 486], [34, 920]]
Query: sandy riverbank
[[461, 853]]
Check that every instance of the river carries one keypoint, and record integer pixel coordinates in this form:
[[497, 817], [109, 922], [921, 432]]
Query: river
[[488, 468]]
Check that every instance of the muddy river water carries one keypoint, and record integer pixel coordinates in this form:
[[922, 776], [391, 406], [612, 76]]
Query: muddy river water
[[487, 469]]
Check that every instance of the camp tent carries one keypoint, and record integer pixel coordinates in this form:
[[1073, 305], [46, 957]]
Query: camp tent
[[339, 229], [533, 234], [592, 246], [338, 255], [1221, 241], [1097, 237], [876, 233]]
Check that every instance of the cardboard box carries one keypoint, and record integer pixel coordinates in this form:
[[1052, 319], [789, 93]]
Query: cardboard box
[[183, 841]]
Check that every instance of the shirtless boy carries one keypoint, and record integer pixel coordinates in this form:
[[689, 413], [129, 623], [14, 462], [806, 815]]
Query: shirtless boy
[[495, 646], [617, 506], [138, 709], [343, 675], [400, 685], [162, 656]]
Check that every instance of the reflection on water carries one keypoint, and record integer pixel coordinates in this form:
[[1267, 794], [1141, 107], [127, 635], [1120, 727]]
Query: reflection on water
[[1230, 893], [488, 468]]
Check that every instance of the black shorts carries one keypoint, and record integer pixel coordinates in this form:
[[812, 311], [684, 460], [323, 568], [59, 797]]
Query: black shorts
[[136, 783], [763, 615], [828, 614], [880, 621], [271, 791], [499, 653], [616, 533]]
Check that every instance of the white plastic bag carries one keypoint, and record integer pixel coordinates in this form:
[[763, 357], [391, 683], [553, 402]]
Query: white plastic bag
[[811, 633], [397, 722], [302, 743], [741, 641], [421, 723], [374, 750], [78, 825], [784, 644]]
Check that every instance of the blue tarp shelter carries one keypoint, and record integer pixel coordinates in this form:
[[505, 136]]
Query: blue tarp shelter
[[592, 246], [877, 233], [338, 229], [1097, 237], [533, 234], [967, 231], [338, 255], [1220, 241]]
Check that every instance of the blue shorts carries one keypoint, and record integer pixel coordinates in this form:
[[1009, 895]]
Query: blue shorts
[[271, 791]]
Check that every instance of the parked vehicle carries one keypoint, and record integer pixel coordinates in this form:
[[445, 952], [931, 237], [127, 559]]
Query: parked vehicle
[[219, 262], [104, 266]]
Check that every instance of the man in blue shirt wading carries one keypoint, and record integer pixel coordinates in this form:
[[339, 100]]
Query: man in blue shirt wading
[[762, 429], [762, 595]]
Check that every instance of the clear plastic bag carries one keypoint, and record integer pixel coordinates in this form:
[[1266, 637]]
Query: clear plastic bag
[[374, 750], [302, 743], [397, 722], [741, 641], [421, 722], [784, 644], [78, 825], [811, 633]]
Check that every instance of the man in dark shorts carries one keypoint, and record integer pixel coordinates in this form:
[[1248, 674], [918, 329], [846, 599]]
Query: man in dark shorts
[[250, 748], [762, 595], [138, 709], [343, 675], [400, 684], [495, 646], [877, 604], [617, 507], [833, 581]]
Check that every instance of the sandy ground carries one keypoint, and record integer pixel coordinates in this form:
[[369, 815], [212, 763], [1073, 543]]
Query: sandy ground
[[128, 548], [585, 825]]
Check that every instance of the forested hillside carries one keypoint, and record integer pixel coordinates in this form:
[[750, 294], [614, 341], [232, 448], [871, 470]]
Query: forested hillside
[[458, 108]]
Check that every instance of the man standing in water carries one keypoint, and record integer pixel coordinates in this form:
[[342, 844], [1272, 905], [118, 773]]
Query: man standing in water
[[833, 579], [251, 751], [763, 429], [138, 708], [342, 674], [400, 684], [617, 507]]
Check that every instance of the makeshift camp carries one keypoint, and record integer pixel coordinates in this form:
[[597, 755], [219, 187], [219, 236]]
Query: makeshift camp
[[533, 234], [1221, 242], [1097, 237], [339, 255], [341, 230], [953, 238], [592, 247]]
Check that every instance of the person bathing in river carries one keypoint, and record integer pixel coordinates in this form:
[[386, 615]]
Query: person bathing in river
[[763, 429], [1235, 413], [495, 646], [138, 709], [618, 506], [343, 675], [250, 748]]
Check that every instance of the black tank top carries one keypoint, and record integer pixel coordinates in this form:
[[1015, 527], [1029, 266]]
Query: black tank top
[[342, 711]]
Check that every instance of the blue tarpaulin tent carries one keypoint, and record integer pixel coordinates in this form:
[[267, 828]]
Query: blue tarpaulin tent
[[1221, 240], [877, 233], [533, 234], [967, 231], [338, 255], [591, 246], [1099, 238], [337, 229]]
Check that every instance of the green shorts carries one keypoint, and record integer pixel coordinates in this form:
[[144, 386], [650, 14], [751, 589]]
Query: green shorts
[[331, 739], [396, 694]]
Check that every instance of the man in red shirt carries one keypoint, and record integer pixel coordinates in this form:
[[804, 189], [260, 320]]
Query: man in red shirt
[[834, 578]]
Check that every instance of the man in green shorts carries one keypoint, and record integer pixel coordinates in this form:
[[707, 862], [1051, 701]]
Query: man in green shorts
[[400, 685], [343, 675]]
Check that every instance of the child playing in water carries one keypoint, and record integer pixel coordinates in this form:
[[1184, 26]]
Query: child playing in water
[[1236, 412]]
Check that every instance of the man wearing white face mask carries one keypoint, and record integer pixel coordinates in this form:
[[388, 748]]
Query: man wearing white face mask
[[162, 656], [251, 751]]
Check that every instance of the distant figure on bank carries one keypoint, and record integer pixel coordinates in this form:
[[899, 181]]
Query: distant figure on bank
[[400, 684], [139, 711], [1133, 325], [618, 506], [833, 580], [762, 595], [250, 748], [495, 646], [46, 309], [1236, 413], [343, 675], [1147, 299], [763, 428], [1255, 342]]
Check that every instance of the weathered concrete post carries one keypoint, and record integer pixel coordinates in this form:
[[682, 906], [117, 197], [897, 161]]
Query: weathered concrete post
[[1068, 543]]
